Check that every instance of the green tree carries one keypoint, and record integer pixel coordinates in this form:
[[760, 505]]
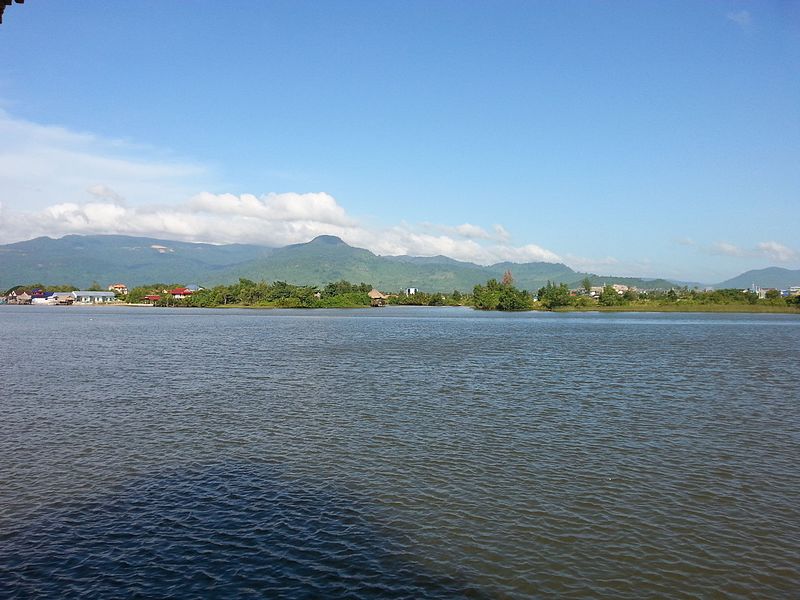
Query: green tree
[[513, 299], [486, 297], [586, 284], [630, 295], [436, 299], [610, 297], [552, 296]]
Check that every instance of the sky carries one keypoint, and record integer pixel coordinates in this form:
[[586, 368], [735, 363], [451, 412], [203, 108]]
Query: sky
[[634, 138]]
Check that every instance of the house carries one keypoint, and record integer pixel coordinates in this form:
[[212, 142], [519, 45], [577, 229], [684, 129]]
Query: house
[[152, 298], [595, 290], [180, 293], [376, 298], [92, 297], [19, 297], [411, 291], [63, 298], [119, 288], [45, 298]]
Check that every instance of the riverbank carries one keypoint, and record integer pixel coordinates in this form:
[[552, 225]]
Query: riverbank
[[684, 308], [663, 308], [644, 308]]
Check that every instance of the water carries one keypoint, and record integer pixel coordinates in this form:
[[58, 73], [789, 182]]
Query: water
[[397, 453]]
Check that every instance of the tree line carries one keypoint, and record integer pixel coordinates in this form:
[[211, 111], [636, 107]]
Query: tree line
[[500, 295], [554, 296]]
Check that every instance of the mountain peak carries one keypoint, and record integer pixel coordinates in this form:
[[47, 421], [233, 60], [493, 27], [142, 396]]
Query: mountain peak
[[328, 240]]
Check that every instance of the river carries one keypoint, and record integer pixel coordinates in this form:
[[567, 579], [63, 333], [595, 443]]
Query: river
[[399, 452]]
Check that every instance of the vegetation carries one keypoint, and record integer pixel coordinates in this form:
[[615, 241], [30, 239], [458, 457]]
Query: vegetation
[[280, 294], [554, 296], [675, 299], [501, 296], [494, 295], [456, 298]]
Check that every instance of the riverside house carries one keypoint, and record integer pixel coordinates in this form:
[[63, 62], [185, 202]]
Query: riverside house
[[18, 297], [118, 288], [376, 298], [180, 293], [92, 297]]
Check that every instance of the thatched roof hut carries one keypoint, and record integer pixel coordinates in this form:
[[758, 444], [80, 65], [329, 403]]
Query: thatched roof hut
[[376, 298]]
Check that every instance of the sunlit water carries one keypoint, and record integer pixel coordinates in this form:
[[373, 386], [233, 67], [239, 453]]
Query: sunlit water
[[397, 453]]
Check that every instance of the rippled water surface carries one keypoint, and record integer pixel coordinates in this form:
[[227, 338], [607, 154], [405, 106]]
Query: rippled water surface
[[397, 453]]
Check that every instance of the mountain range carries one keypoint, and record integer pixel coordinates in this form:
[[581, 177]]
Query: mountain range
[[104, 259], [771, 277]]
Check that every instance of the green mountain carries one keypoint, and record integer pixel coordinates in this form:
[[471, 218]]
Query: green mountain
[[81, 260], [327, 258], [771, 277]]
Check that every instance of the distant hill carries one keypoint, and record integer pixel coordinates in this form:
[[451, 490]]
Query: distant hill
[[771, 277], [328, 258], [80, 260], [105, 259]]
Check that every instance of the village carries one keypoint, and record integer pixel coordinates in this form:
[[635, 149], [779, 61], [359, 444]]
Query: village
[[118, 293]]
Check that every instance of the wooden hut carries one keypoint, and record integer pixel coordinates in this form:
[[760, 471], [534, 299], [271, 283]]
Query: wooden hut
[[376, 298]]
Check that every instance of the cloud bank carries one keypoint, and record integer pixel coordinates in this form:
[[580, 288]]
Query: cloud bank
[[770, 250], [45, 164], [55, 181], [271, 219]]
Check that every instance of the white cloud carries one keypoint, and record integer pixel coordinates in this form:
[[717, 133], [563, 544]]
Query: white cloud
[[318, 207], [54, 182], [592, 265], [772, 250], [742, 18], [43, 164], [468, 230], [403, 240], [272, 219], [501, 233], [103, 192], [727, 249], [779, 252]]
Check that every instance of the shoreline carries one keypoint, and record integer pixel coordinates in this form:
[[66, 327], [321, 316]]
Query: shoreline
[[695, 308]]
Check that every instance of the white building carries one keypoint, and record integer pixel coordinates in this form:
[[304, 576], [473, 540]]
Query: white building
[[91, 297]]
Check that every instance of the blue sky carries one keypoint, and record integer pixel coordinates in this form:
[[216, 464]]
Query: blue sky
[[636, 138]]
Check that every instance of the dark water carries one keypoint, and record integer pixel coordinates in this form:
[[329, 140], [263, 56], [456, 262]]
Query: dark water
[[397, 453]]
